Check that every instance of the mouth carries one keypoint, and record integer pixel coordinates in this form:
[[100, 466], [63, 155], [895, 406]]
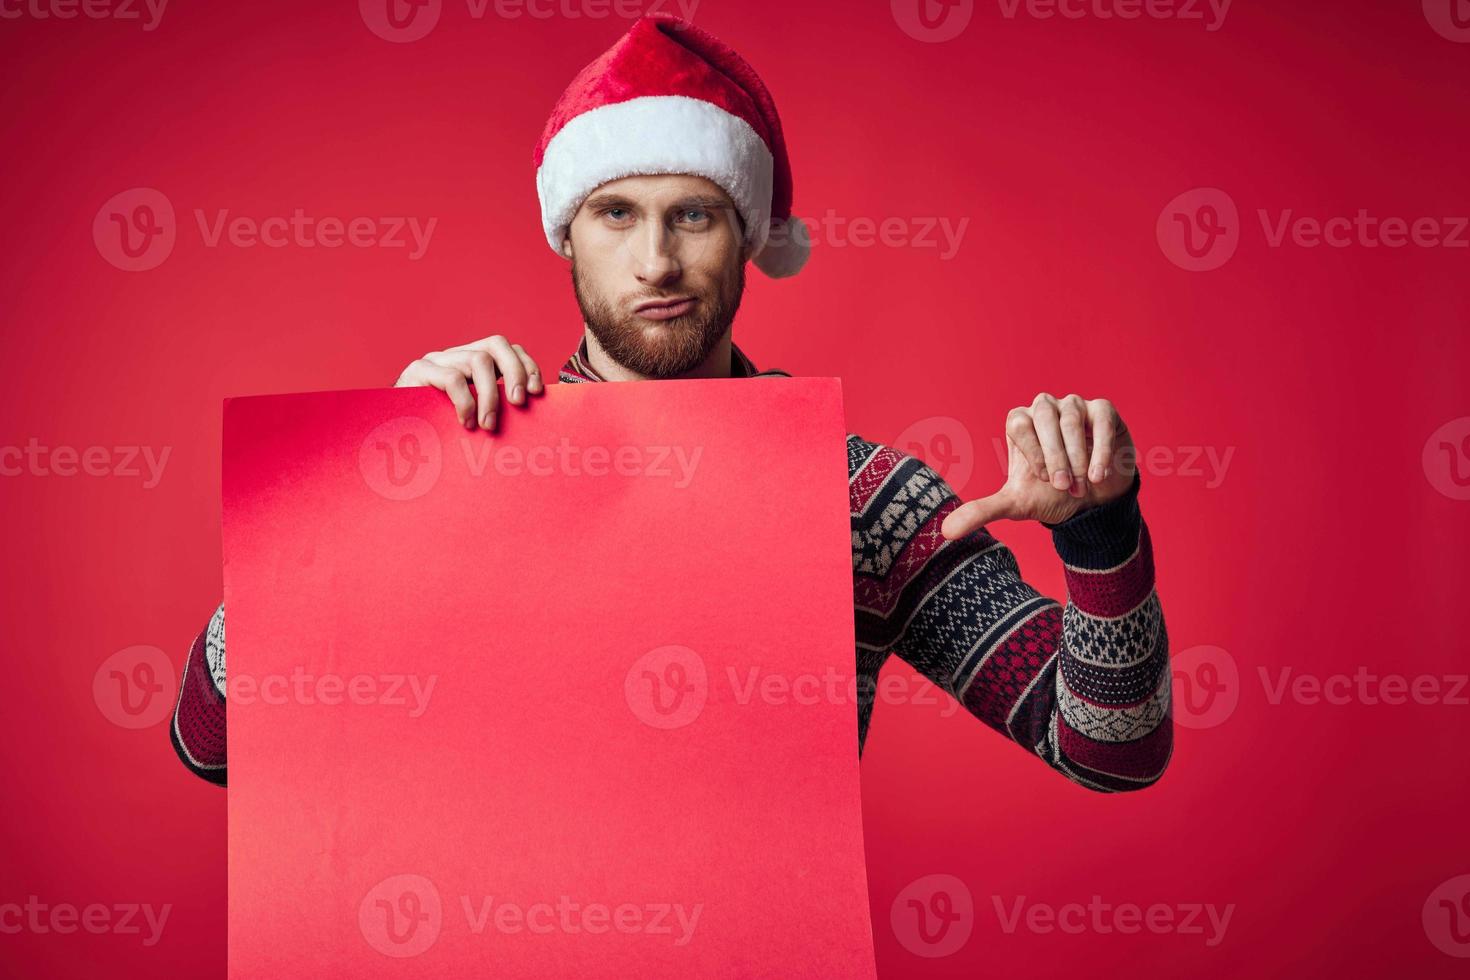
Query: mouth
[[665, 309]]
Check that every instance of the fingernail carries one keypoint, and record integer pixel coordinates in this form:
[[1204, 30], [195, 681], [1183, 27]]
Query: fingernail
[[490, 420], [1060, 479], [1096, 474], [515, 394], [469, 422]]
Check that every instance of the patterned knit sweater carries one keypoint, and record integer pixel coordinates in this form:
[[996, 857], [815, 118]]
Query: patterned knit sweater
[[1086, 687]]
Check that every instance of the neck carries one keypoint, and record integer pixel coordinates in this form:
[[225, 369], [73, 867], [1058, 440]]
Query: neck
[[717, 365]]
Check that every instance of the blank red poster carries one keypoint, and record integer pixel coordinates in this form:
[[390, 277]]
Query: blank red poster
[[570, 700]]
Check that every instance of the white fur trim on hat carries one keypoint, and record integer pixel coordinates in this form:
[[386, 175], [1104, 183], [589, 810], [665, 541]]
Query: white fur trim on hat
[[655, 134]]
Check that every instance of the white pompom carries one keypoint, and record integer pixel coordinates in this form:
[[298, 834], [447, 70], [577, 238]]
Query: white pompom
[[787, 249]]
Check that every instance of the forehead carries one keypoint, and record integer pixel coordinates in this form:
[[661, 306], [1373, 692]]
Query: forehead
[[655, 189]]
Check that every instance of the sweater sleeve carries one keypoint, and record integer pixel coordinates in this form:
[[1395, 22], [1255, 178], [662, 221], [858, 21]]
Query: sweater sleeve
[[197, 729], [1085, 686]]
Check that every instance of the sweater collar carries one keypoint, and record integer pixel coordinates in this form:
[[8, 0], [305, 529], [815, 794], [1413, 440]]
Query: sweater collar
[[579, 369]]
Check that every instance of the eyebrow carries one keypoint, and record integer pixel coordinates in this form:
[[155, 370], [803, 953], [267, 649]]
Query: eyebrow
[[620, 201]]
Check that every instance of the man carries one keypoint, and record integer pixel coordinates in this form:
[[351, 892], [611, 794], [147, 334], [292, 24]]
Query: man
[[661, 173]]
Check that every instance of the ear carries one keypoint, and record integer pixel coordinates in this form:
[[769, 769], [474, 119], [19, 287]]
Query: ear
[[566, 245], [746, 251]]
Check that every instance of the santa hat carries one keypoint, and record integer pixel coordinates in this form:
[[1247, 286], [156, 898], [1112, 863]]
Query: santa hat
[[669, 98]]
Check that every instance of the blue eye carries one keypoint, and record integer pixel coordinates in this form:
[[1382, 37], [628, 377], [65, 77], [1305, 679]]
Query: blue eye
[[702, 215]]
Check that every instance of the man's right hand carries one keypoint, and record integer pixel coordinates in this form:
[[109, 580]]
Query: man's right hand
[[451, 370]]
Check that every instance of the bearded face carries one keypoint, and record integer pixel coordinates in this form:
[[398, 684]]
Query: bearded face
[[658, 269], [661, 348]]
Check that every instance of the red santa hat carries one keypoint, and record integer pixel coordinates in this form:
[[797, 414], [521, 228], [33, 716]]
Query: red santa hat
[[669, 98]]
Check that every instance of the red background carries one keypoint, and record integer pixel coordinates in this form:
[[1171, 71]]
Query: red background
[[1326, 548]]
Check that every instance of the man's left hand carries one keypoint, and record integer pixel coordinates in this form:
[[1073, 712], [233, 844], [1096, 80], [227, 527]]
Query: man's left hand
[[1064, 456]]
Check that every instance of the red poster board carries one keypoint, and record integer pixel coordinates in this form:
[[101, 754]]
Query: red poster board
[[556, 702]]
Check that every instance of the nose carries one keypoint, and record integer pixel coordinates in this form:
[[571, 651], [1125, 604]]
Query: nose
[[655, 254]]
